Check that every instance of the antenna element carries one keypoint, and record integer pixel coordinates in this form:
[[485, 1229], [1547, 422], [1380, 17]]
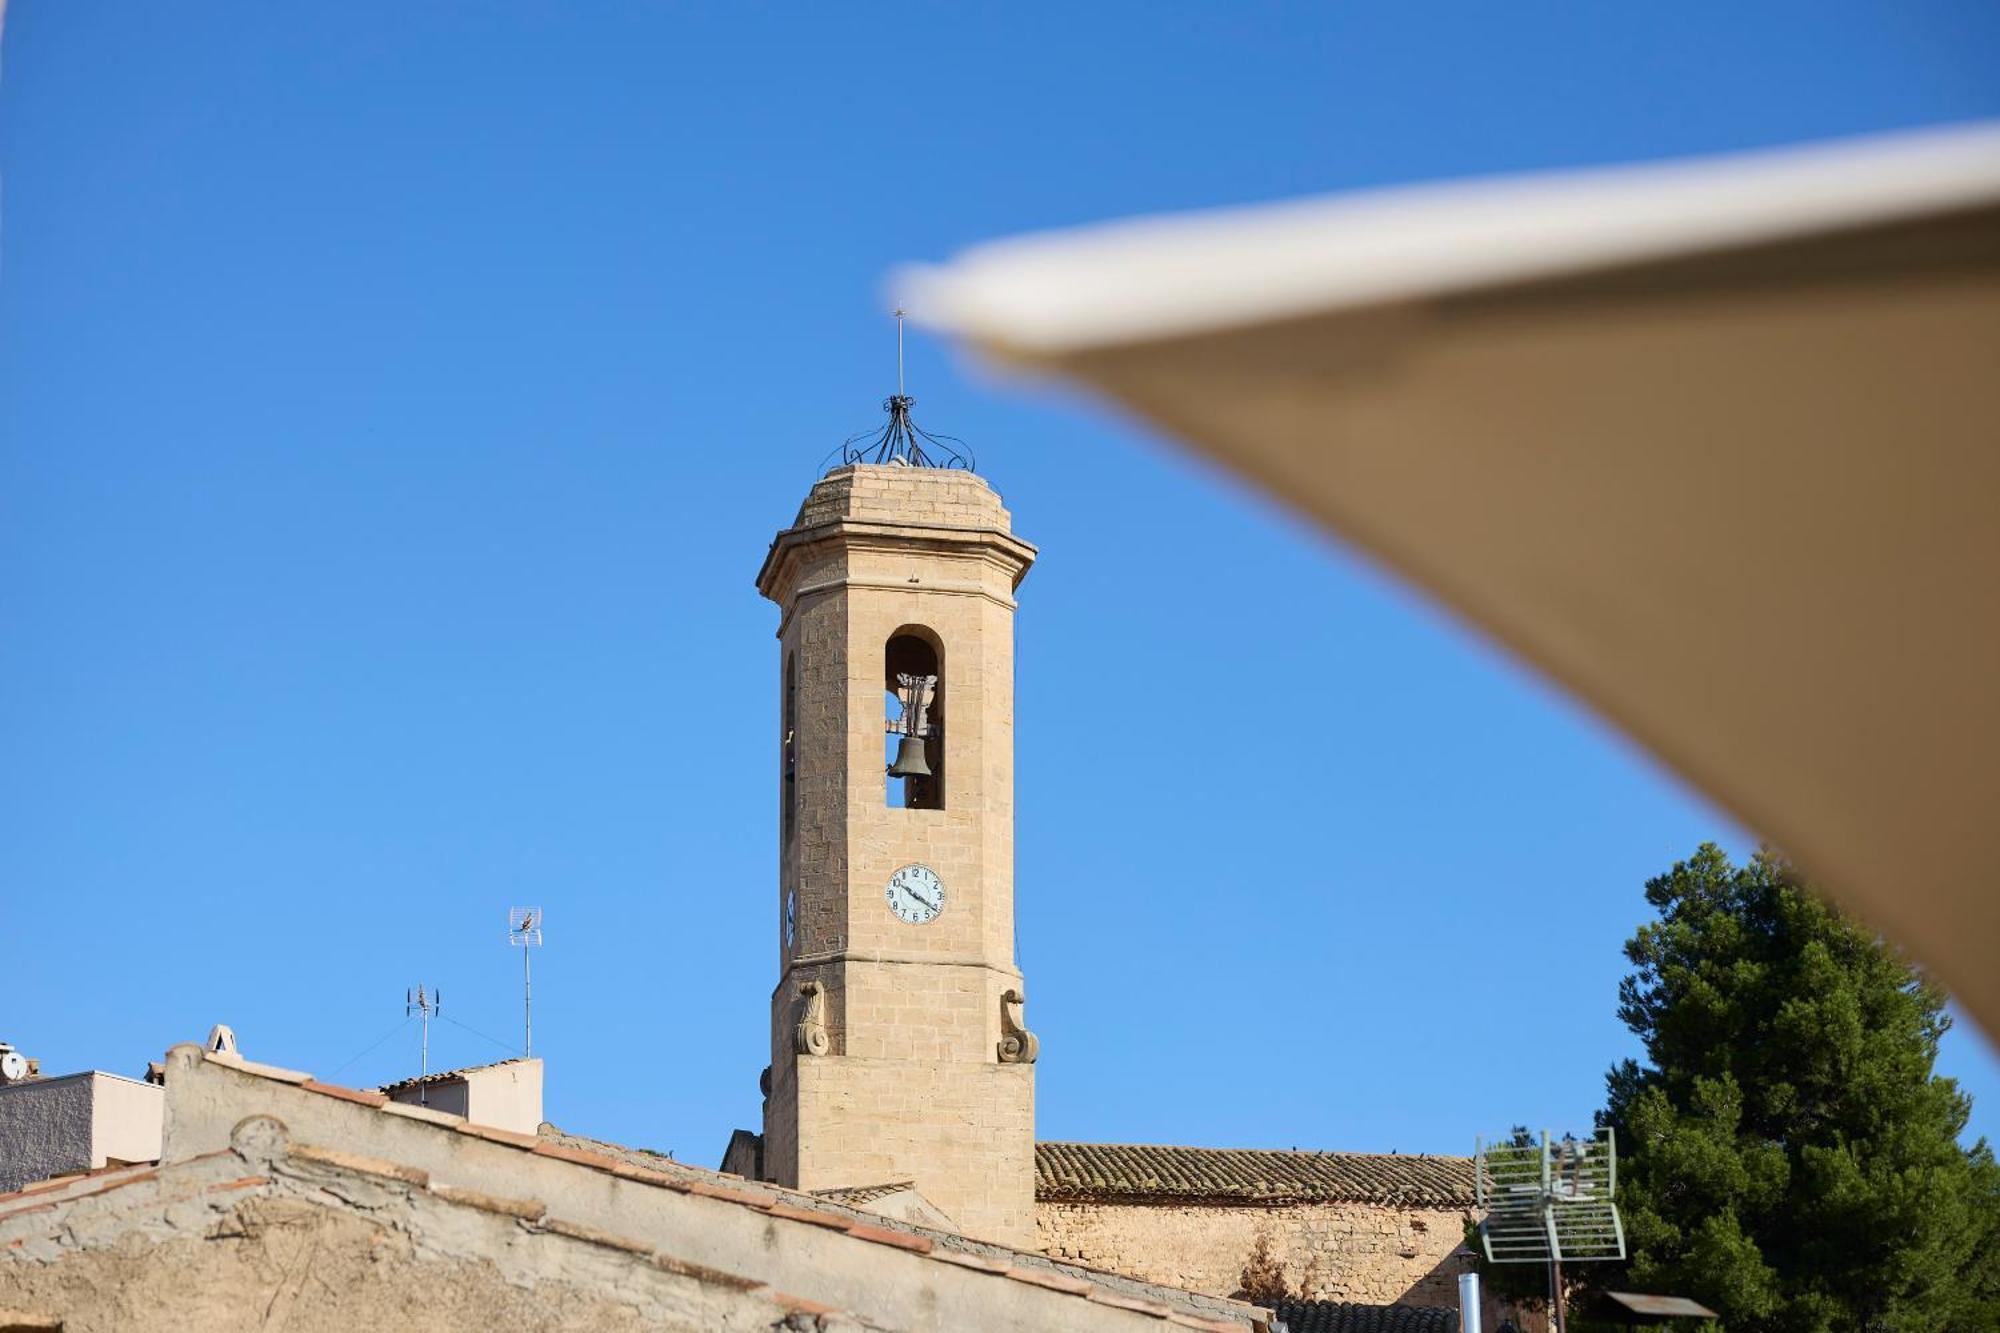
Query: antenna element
[[1549, 1201], [425, 1005], [524, 932]]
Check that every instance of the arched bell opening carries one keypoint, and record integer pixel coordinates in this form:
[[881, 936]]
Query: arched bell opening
[[913, 719]]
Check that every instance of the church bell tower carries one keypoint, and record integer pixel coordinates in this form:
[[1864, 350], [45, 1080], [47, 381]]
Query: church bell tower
[[898, 1051]]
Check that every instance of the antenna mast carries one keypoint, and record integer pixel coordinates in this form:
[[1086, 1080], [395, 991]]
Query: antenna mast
[[900, 390], [524, 932], [426, 1005]]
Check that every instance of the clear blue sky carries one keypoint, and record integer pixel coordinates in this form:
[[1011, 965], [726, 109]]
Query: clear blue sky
[[395, 404]]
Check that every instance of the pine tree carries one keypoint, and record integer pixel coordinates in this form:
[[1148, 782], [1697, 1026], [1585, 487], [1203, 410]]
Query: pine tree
[[1788, 1156]]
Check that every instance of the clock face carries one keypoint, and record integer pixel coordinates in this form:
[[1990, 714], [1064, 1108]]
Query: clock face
[[916, 894]]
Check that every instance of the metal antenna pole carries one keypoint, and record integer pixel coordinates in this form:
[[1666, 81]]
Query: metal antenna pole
[[423, 1003], [899, 352], [524, 932]]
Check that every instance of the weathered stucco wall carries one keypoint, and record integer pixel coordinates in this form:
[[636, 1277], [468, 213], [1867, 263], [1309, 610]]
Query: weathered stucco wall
[[885, 1272], [1373, 1253], [247, 1242]]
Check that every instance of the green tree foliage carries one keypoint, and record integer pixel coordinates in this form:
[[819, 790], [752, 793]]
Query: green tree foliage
[[1787, 1156]]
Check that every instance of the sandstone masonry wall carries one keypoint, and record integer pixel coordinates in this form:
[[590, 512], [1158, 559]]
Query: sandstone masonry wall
[[1373, 1253]]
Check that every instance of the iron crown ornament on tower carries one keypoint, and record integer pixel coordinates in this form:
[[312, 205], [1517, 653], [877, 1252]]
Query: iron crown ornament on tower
[[902, 441]]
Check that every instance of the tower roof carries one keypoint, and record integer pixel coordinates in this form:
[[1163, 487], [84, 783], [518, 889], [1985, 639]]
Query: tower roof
[[893, 504]]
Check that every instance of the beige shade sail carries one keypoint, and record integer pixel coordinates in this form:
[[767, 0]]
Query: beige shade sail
[[1716, 445]]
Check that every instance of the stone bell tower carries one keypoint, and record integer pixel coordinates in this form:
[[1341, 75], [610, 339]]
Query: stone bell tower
[[897, 1046]]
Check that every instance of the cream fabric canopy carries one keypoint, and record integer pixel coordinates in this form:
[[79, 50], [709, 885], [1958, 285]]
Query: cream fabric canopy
[[1714, 444]]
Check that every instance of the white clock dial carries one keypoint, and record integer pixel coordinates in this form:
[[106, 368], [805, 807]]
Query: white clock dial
[[916, 894]]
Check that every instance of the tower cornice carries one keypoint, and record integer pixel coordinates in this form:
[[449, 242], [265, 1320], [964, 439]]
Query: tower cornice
[[999, 547]]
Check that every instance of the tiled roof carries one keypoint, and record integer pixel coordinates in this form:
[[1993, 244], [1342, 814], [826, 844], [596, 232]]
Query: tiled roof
[[1140, 1171], [447, 1075], [1342, 1317]]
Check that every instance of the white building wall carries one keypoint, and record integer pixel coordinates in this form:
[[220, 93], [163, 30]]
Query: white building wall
[[507, 1095], [125, 1119]]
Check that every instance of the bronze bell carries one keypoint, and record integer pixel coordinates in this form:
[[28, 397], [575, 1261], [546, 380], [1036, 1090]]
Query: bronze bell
[[910, 759]]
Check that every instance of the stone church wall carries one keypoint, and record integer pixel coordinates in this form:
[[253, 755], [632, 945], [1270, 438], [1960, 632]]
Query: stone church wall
[[1324, 1251]]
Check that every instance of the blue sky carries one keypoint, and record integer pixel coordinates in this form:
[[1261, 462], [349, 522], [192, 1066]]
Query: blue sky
[[396, 402]]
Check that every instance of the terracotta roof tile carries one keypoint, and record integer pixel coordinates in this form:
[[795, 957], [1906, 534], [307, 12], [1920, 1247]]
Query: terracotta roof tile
[[506, 1136], [1143, 1171], [595, 1236], [708, 1191], [1105, 1297], [581, 1156], [832, 1221], [714, 1277], [1062, 1282], [1345, 1317], [531, 1210], [447, 1075], [800, 1305], [344, 1094], [902, 1240], [367, 1166]]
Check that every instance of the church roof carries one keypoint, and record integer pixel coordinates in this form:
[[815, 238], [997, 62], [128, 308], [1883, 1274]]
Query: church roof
[[1143, 1172], [1346, 1317]]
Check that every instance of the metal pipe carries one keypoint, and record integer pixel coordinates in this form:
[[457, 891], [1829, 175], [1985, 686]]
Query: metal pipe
[[1468, 1303]]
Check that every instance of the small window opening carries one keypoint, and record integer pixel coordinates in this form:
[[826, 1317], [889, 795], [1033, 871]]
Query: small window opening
[[913, 721]]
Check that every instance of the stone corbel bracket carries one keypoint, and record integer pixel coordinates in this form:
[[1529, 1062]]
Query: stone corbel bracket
[[1018, 1046], [809, 1037]]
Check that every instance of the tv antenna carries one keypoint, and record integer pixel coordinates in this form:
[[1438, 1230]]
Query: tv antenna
[[424, 1005], [1547, 1201], [524, 932]]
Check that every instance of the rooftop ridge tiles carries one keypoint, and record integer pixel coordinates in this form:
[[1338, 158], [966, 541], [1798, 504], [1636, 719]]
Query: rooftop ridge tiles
[[447, 1075], [1356, 1317], [359, 1095], [1066, 1170]]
